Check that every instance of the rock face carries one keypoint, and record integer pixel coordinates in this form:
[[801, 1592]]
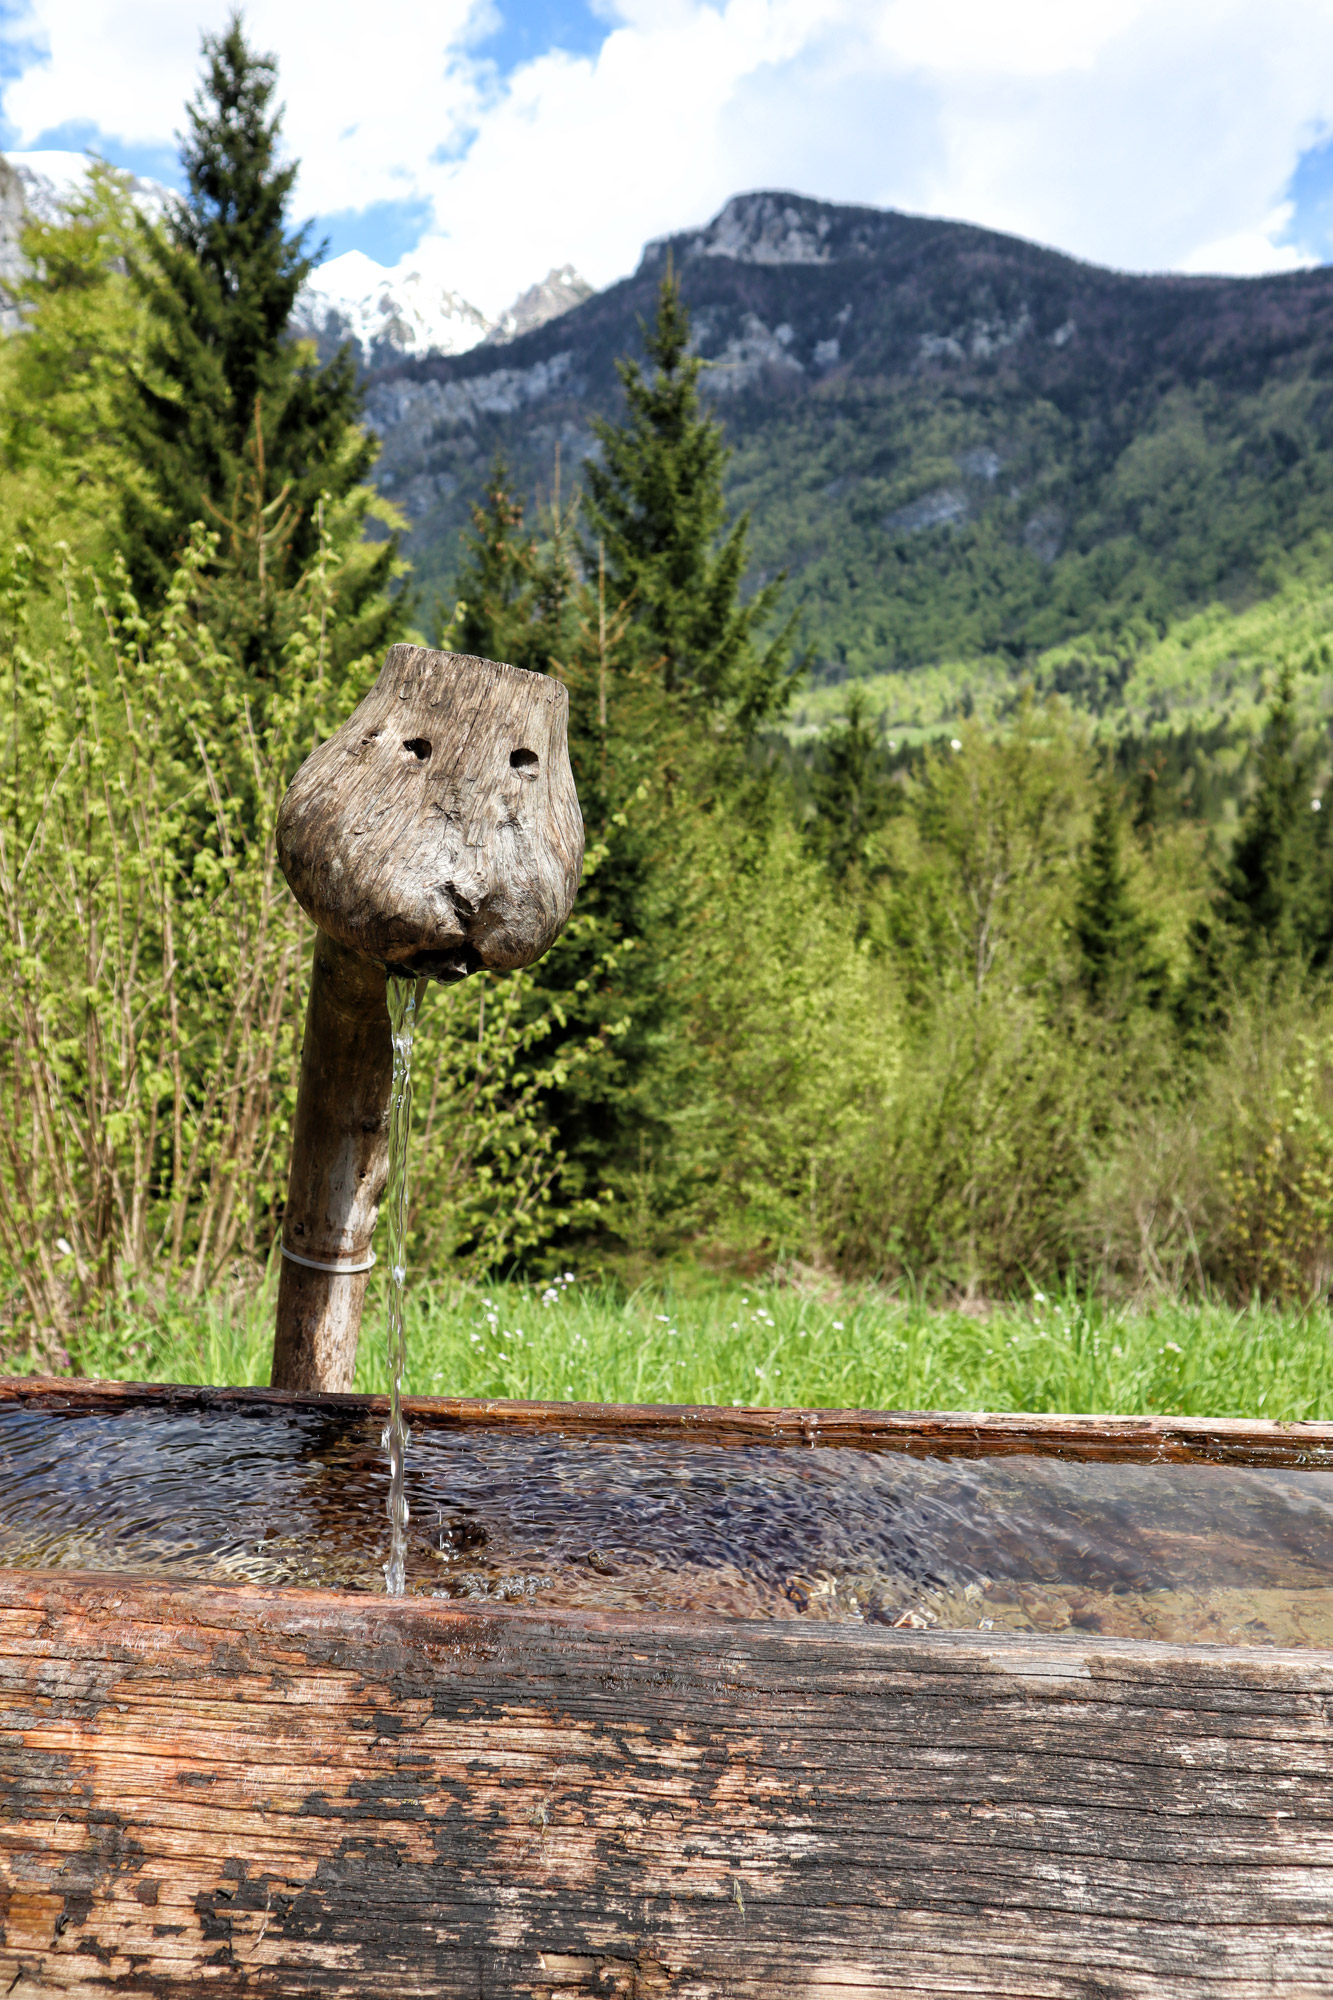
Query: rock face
[[561, 288], [388, 315]]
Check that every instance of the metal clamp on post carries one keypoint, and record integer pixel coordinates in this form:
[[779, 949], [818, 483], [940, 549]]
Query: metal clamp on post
[[338, 1270]]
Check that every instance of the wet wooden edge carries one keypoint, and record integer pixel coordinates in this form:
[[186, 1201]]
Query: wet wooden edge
[[417, 1628], [1183, 1440]]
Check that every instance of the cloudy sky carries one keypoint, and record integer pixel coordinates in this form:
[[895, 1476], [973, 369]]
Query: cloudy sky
[[511, 135]]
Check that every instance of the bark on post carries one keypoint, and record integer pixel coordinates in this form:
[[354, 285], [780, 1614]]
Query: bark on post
[[437, 833]]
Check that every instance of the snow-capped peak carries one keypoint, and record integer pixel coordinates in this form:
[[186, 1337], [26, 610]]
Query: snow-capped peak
[[406, 310], [388, 313]]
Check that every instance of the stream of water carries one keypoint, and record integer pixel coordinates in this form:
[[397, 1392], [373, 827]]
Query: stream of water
[[404, 996]]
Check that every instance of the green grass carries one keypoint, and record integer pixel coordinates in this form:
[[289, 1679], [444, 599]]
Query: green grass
[[689, 1339]]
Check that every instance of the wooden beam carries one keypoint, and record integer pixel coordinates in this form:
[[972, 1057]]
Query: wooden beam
[[244, 1792], [339, 1165]]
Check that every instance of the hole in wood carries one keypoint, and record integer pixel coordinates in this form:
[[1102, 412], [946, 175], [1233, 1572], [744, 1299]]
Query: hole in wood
[[525, 762], [419, 748]]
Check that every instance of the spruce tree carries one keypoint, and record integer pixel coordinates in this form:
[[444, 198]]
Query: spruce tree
[[1117, 960], [849, 790], [229, 409], [520, 598], [513, 594], [1273, 896], [655, 508]]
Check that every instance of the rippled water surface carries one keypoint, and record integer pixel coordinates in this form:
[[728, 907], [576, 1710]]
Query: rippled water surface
[[1181, 1552]]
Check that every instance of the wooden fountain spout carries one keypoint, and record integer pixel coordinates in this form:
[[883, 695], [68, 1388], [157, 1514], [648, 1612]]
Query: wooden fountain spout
[[436, 834]]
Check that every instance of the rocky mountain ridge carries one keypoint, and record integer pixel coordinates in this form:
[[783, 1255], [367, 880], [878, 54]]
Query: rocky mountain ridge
[[955, 442]]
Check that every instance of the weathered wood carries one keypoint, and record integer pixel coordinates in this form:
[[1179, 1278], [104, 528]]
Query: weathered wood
[[437, 832], [339, 1165], [1142, 1440], [252, 1793]]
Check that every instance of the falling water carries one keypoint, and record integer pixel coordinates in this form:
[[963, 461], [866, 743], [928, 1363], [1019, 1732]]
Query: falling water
[[404, 998]]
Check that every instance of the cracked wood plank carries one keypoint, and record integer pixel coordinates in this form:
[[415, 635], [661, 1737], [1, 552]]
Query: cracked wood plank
[[262, 1793]]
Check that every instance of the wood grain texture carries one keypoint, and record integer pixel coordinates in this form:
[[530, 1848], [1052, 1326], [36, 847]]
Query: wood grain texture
[[249, 1793], [439, 829], [339, 1166], [928, 1433]]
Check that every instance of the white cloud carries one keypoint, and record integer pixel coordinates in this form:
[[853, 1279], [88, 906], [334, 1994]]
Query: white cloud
[[1144, 133]]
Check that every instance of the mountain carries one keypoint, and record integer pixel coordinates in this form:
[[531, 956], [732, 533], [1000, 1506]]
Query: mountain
[[387, 313], [392, 314], [957, 443]]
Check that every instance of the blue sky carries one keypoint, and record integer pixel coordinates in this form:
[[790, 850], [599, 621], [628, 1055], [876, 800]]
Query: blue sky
[[492, 139], [1310, 192]]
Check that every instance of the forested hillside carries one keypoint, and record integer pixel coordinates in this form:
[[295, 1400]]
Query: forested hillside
[[957, 444]]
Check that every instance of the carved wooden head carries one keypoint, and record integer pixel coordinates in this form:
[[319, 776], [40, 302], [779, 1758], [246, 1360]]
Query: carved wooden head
[[439, 829]]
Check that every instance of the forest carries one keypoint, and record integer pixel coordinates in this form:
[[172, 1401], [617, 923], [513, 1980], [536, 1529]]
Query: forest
[[1006, 980]]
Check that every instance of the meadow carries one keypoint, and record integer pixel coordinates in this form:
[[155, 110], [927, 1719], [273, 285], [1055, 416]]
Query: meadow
[[690, 1337]]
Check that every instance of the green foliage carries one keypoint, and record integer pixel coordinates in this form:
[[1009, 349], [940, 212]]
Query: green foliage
[[654, 515], [513, 594], [1106, 518], [1117, 962], [230, 418], [63, 382], [966, 978], [150, 951], [849, 790], [786, 1043], [1274, 898]]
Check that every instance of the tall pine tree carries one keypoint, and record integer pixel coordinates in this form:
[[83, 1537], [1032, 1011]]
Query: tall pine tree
[[514, 593], [1117, 960], [230, 414], [655, 509], [1273, 899], [849, 789]]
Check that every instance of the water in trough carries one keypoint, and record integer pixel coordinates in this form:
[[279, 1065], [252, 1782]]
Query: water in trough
[[1188, 1552]]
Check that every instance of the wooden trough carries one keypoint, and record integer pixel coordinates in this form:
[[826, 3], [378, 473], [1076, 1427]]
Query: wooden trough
[[244, 1791]]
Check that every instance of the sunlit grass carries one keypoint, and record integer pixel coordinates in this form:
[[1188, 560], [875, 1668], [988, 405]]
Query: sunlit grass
[[689, 1339]]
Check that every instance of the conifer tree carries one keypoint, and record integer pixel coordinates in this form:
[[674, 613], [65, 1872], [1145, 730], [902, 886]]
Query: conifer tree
[[1117, 960], [656, 509], [849, 790], [1273, 897], [513, 594], [227, 397], [520, 598]]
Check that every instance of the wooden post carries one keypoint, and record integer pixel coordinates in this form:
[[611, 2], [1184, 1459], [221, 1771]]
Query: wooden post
[[437, 832], [340, 1161]]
